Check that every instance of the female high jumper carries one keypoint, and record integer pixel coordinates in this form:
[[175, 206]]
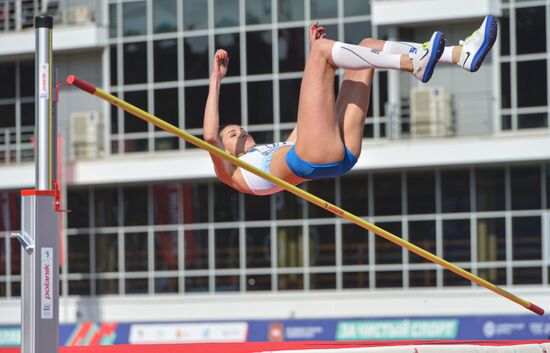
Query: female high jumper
[[327, 139]]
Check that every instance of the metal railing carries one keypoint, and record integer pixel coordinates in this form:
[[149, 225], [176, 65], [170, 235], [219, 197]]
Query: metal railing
[[14, 149], [16, 15]]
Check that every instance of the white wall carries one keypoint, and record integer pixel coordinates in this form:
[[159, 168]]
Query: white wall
[[323, 304]]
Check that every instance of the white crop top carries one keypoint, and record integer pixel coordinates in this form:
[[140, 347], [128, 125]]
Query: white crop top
[[260, 157]]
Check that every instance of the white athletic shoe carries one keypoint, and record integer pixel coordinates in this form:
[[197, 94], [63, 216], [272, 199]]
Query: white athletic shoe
[[476, 46], [425, 58]]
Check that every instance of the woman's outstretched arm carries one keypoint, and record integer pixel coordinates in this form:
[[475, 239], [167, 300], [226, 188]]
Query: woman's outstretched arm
[[211, 125]]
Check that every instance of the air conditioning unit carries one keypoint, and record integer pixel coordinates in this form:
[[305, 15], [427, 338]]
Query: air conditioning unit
[[86, 135], [431, 112], [79, 15]]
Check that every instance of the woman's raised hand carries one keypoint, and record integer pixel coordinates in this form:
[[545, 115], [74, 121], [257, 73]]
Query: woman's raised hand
[[221, 62]]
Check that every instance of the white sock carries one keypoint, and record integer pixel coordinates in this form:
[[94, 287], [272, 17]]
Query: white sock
[[447, 56], [356, 57], [407, 47]]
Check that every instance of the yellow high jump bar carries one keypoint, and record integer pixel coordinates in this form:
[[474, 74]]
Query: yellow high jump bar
[[88, 87]]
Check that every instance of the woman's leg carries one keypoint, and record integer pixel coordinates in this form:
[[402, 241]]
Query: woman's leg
[[450, 55], [353, 102], [470, 52], [319, 139]]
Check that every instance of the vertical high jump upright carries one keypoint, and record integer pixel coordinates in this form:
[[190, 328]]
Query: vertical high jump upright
[[39, 221], [137, 112]]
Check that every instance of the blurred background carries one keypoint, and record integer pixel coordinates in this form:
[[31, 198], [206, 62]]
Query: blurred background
[[460, 167]]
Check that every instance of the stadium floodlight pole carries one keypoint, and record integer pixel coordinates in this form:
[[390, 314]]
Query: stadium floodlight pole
[[137, 112], [39, 219]]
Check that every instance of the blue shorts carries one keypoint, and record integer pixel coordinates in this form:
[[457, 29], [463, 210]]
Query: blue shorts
[[307, 170]]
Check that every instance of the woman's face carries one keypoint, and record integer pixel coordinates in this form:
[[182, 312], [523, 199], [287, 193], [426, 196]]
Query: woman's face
[[236, 140]]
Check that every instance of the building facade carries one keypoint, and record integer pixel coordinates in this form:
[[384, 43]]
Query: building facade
[[153, 235]]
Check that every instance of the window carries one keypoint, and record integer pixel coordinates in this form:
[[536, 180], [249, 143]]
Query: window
[[136, 205], [78, 251], [354, 194], [323, 9], [290, 247], [531, 20], [258, 247], [356, 8], [386, 251], [423, 278], [258, 283], [258, 52], [226, 13], [196, 58], [135, 63], [10, 209], [195, 14], [525, 184], [355, 280], [195, 202], [136, 285], [355, 32], [455, 191], [227, 284], [136, 253], [113, 65], [289, 91], [292, 281], [420, 192], [456, 240], [322, 246], [165, 16], [106, 253], [113, 24], [505, 90], [291, 10], [7, 76], [532, 83], [258, 11], [194, 113], [260, 103], [134, 18], [7, 117], [106, 207], [226, 248], [355, 245], [491, 240], [166, 251], [532, 121], [226, 207], [196, 249], [167, 108], [230, 104], [422, 234], [257, 207], [387, 194], [166, 60], [325, 190], [196, 284], [291, 50], [490, 191], [322, 280], [504, 28], [527, 240]]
